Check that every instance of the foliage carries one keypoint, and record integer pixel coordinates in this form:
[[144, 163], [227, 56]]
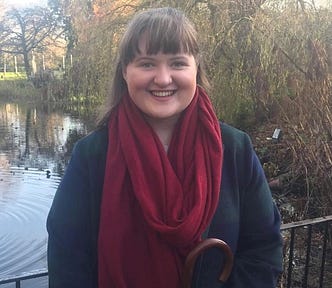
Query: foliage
[[300, 86]]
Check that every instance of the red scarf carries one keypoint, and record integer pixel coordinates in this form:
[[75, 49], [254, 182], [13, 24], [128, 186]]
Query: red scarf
[[155, 205]]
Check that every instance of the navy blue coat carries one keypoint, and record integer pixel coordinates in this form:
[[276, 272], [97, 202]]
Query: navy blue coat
[[246, 218]]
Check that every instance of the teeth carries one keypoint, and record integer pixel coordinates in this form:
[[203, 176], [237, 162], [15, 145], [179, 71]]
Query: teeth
[[162, 93]]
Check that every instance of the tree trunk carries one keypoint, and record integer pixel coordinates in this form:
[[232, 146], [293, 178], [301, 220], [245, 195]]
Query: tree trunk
[[27, 65]]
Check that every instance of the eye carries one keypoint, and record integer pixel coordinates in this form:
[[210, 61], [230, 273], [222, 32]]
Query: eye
[[179, 64], [146, 65]]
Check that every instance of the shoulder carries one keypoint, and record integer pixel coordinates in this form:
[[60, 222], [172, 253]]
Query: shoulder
[[234, 139], [95, 143]]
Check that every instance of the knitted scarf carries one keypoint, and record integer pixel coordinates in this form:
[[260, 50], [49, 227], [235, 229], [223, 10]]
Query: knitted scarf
[[156, 205]]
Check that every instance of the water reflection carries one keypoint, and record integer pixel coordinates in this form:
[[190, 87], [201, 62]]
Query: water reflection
[[35, 144]]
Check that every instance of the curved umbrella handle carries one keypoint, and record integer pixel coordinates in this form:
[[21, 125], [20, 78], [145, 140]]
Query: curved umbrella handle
[[200, 248]]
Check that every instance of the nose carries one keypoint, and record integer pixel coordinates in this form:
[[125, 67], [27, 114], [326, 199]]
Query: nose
[[163, 76]]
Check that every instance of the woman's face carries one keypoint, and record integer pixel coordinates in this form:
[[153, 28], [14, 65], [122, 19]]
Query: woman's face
[[161, 85]]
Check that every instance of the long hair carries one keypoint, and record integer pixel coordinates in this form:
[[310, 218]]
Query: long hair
[[166, 30]]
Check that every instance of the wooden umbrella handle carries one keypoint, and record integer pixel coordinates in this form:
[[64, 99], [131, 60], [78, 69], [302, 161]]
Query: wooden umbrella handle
[[200, 248]]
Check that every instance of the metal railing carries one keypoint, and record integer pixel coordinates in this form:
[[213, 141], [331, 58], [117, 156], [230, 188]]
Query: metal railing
[[23, 276], [296, 267], [306, 253]]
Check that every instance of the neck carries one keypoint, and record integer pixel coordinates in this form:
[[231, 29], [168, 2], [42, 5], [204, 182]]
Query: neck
[[163, 128]]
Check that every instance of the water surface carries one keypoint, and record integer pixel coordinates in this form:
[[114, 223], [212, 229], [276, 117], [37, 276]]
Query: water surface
[[35, 145]]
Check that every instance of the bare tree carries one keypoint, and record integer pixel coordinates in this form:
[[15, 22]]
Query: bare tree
[[27, 30]]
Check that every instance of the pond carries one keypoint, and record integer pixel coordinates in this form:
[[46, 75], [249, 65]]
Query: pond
[[35, 145]]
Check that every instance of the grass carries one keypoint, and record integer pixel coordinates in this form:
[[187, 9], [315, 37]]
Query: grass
[[12, 76], [17, 88]]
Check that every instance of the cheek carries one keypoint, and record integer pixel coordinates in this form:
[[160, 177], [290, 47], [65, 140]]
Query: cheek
[[190, 80], [191, 75], [136, 81]]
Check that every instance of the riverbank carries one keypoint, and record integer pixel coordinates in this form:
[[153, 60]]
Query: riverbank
[[18, 89], [293, 185]]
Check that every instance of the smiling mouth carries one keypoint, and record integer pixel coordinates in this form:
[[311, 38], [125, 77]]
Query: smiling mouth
[[163, 93]]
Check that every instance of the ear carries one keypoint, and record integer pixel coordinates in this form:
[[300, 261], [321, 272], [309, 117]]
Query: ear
[[124, 73]]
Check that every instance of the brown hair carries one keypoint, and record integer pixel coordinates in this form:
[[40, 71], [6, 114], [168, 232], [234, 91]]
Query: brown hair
[[166, 30]]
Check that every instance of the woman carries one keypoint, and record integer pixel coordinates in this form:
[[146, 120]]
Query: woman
[[159, 175]]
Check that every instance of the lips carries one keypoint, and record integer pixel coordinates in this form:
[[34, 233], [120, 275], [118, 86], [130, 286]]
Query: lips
[[163, 93]]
